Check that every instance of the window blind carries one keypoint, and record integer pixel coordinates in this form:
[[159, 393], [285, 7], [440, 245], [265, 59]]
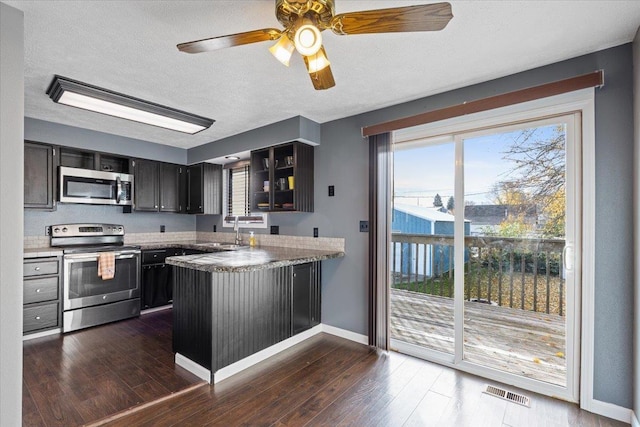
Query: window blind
[[238, 191]]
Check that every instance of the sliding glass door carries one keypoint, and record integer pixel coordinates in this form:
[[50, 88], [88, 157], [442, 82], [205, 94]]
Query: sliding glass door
[[485, 243]]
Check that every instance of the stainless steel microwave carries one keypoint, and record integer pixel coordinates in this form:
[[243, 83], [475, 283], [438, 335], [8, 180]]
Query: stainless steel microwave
[[95, 187]]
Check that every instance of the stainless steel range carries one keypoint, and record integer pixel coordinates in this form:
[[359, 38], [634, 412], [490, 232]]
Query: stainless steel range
[[89, 299]]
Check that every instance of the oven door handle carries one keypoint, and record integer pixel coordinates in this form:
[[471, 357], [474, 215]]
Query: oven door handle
[[95, 256]]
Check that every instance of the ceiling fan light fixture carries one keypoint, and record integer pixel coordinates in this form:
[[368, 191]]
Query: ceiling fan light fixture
[[317, 62], [63, 90], [283, 50], [307, 38]]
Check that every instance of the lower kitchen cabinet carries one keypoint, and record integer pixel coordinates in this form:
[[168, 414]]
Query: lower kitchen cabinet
[[305, 299], [41, 294]]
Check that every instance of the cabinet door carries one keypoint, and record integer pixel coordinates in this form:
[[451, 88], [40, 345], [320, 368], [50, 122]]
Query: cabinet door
[[195, 188], [301, 299], [39, 176], [170, 187], [145, 184]]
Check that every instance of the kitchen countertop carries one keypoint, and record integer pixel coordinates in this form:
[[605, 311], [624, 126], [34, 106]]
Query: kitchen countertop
[[41, 252], [250, 259]]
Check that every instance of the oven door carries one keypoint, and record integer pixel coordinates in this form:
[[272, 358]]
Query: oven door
[[83, 287]]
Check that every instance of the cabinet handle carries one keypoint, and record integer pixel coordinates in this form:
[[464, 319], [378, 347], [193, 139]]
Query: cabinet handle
[[162, 207], [104, 297], [294, 274], [37, 268], [37, 291], [37, 317], [156, 206]]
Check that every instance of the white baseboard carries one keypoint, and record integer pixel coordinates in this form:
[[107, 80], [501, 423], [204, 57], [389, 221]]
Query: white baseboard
[[610, 410], [634, 420], [258, 357], [343, 333], [191, 366], [41, 334]]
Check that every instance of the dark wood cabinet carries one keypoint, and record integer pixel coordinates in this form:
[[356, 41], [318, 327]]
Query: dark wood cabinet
[[170, 177], [157, 186], [204, 189], [145, 185], [41, 287], [85, 159], [282, 178], [305, 298], [40, 167]]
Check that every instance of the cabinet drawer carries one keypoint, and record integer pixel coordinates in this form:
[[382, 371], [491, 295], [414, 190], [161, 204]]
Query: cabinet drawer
[[154, 257], [40, 317], [40, 268], [38, 290]]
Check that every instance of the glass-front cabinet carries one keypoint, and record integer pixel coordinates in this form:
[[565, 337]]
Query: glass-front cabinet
[[282, 178]]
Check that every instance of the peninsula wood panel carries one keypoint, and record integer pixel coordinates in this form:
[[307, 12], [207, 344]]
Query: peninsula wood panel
[[192, 315]]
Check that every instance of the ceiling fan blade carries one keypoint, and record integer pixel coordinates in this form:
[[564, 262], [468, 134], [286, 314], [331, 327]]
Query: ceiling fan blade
[[230, 40], [321, 79], [428, 17]]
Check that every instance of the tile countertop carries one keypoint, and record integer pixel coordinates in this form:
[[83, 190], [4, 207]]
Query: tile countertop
[[250, 259]]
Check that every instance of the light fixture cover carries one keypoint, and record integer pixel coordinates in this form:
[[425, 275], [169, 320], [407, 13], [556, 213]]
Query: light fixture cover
[[307, 38], [283, 50], [317, 62], [82, 95]]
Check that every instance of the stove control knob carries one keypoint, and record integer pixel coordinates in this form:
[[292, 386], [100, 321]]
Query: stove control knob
[[64, 229], [120, 229], [56, 230]]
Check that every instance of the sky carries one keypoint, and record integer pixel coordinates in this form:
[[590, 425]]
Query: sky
[[424, 171]]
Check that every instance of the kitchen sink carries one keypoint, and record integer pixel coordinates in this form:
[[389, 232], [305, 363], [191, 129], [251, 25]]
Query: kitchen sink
[[221, 246]]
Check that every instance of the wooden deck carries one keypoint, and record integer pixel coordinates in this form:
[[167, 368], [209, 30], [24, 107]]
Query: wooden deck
[[517, 341]]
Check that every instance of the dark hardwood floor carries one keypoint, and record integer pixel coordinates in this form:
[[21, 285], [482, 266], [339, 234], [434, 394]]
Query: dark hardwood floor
[[324, 381], [84, 376]]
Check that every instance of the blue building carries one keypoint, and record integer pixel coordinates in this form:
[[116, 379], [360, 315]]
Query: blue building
[[423, 260]]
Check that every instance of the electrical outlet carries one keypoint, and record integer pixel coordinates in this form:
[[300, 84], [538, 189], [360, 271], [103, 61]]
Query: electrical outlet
[[315, 232], [162, 228], [214, 228], [364, 226], [275, 229], [332, 190], [47, 230]]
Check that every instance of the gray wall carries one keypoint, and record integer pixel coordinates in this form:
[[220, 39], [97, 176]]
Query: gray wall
[[69, 136], [11, 200], [636, 99], [341, 160], [138, 222]]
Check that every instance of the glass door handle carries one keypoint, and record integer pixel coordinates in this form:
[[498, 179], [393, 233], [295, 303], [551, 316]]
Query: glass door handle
[[567, 257]]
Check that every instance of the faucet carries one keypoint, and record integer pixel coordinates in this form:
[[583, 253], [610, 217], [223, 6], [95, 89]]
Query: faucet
[[236, 228]]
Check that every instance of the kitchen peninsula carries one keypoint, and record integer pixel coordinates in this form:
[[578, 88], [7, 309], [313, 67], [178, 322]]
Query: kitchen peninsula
[[230, 305]]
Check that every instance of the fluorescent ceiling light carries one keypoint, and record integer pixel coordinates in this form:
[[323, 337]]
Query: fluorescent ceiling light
[[81, 95]]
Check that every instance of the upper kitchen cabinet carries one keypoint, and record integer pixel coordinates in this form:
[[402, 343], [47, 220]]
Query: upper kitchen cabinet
[[93, 160], [282, 178], [204, 189], [40, 166], [170, 187], [145, 185], [157, 186]]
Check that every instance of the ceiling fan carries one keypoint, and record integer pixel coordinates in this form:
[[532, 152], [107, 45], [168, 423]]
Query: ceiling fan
[[304, 20]]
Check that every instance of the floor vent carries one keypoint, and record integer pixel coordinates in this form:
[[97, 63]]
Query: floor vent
[[508, 395]]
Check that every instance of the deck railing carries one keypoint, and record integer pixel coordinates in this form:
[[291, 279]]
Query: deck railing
[[512, 272]]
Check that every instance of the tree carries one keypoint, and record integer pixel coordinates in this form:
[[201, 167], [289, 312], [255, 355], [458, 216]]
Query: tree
[[539, 175], [450, 204], [437, 201]]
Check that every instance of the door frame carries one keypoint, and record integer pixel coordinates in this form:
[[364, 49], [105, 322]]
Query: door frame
[[582, 328]]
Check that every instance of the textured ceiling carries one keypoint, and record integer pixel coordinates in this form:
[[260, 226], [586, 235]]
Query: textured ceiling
[[130, 47]]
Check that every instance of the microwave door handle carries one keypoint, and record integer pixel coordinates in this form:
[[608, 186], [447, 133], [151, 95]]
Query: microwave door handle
[[118, 189]]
